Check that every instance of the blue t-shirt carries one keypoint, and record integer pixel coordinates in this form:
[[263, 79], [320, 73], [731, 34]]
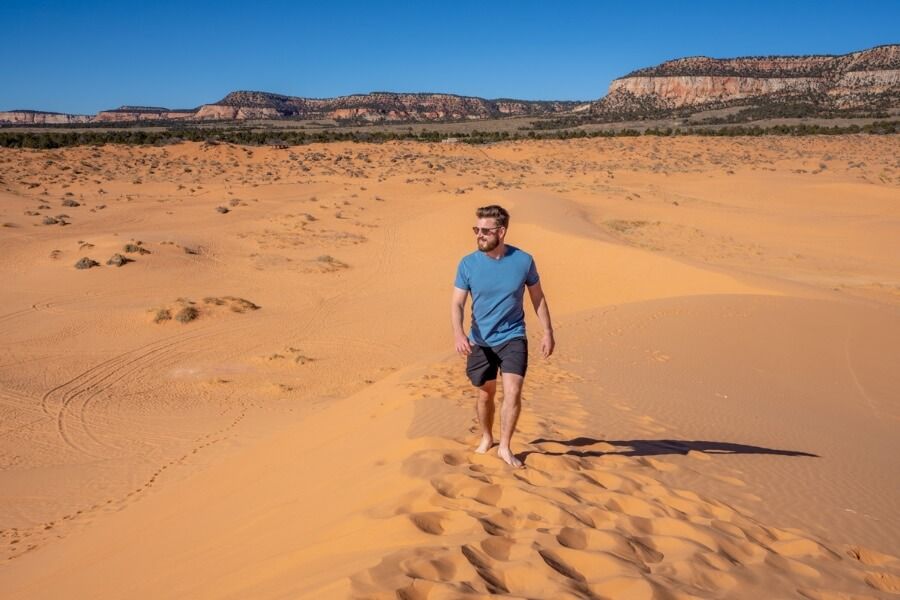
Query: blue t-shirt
[[497, 287]]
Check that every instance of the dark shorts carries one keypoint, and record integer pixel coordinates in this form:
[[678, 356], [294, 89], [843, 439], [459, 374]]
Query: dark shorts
[[483, 362]]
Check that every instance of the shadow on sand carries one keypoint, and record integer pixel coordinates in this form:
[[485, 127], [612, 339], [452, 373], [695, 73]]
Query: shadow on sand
[[654, 448]]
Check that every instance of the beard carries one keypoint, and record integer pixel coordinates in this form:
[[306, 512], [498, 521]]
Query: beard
[[488, 244]]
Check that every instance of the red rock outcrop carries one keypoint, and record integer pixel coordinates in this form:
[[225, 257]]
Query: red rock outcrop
[[374, 107], [377, 106], [865, 79]]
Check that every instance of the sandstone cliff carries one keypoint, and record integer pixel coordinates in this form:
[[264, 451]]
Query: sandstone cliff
[[376, 106], [867, 79], [141, 113], [36, 117]]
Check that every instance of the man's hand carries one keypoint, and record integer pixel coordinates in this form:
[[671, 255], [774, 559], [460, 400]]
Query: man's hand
[[547, 344], [463, 347]]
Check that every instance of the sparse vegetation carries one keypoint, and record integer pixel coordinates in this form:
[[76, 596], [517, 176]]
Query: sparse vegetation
[[135, 249], [185, 310], [187, 314], [240, 305], [86, 263], [568, 127], [118, 260]]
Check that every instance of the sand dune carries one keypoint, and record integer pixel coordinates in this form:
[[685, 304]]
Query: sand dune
[[263, 402]]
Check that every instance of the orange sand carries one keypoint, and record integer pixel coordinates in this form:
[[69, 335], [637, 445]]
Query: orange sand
[[720, 419]]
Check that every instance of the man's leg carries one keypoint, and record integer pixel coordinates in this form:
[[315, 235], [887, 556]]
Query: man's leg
[[485, 410], [509, 416]]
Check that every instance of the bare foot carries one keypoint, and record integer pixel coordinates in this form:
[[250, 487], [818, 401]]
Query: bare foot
[[510, 458], [485, 445]]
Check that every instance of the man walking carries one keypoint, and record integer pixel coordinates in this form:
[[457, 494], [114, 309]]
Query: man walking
[[496, 275]]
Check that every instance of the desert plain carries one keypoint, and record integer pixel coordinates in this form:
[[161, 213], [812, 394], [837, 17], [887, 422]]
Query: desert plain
[[260, 399]]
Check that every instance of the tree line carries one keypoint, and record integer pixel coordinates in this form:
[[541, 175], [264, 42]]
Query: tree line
[[62, 139]]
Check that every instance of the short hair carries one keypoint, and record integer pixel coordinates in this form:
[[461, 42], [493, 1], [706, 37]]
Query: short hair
[[498, 213]]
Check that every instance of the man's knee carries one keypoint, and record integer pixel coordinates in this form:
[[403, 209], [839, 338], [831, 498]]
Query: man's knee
[[512, 388], [487, 390]]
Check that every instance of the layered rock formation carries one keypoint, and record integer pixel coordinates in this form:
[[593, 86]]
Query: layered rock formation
[[142, 113], [377, 106], [866, 79], [36, 117]]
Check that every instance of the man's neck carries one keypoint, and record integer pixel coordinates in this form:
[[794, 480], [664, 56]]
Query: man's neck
[[498, 252]]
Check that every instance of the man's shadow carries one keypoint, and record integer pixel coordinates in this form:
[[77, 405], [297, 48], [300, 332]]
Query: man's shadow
[[579, 447]]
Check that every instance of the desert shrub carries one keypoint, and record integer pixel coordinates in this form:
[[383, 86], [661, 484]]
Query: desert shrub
[[118, 260], [135, 249], [86, 263], [187, 314], [240, 305], [162, 314]]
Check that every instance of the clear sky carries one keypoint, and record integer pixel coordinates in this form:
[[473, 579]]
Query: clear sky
[[88, 55]]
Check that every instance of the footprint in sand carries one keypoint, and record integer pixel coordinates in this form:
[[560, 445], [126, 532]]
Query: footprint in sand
[[884, 582]]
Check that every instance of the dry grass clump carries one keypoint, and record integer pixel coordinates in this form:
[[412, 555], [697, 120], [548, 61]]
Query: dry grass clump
[[240, 305], [235, 304], [187, 314], [186, 310], [118, 260], [135, 249], [223, 209], [328, 263], [70, 203], [86, 263]]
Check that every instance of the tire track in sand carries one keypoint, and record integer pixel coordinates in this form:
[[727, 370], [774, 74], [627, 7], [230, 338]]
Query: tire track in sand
[[74, 397]]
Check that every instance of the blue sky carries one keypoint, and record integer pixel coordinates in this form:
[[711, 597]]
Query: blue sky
[[88, 55]]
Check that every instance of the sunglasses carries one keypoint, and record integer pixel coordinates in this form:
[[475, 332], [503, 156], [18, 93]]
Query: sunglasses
[[484, 230]]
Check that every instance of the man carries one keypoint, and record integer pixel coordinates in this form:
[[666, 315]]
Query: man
[[496, 276]]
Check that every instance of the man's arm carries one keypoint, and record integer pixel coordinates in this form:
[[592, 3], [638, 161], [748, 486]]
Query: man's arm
[[543, 312], [457, 306]]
